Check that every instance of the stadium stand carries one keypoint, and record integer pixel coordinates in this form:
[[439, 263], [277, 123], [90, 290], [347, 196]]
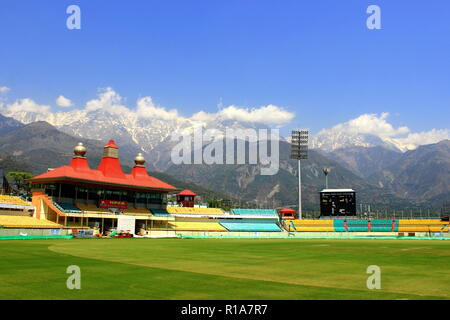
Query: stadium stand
[[339, 225], [92, 208], [353, 225], [196, 226], [198, 211], [381, 226], [255, 212], [13, 200], [66, 207], [160, 212], [357, 225], [426, 225], [26, 222], [231, 225], [313, 225], [136, 211]]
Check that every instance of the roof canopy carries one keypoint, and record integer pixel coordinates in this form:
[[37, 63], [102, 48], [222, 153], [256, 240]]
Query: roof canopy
[[287, 210], [187, 192], [109, 172]]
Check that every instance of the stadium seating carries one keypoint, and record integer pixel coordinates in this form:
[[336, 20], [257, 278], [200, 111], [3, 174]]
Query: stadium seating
[[4, 199], [196, 226], [92, 208], [381, 226], [198, 211], [66, 207], [426, 225], [339, 225], [136, 211], [243, 226], [254, 212], [160, 212], [357, 225], [26, 222], [313, 225]]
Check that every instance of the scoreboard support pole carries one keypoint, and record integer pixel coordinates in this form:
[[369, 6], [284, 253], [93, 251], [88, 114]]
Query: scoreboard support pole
[[299, 150], [300, 213]]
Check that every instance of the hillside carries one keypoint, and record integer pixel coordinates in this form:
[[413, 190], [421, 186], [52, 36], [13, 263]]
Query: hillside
[[364, 161], [246, 182], [422, 174]]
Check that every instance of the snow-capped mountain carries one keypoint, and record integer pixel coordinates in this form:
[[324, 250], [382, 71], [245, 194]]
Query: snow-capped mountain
[[101, 124], [330, 140], [134, 134]]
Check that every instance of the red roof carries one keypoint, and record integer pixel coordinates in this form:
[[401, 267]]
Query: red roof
[[187, 193], [109, 172], [111, 144], [287, 210]]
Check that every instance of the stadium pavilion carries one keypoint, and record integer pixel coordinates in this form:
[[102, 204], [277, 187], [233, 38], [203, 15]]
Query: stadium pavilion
[[78, 196]]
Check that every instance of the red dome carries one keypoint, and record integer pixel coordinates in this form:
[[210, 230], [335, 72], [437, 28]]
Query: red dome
[[187, 193], [287, 210]]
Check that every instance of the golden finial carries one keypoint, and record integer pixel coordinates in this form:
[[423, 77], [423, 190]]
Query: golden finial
[[79, 150], [139, 160]]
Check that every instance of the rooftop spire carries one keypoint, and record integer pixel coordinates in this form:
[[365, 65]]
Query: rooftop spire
[[110, 165], [79, 161], [139, 160], [79, 150], [139, 170]]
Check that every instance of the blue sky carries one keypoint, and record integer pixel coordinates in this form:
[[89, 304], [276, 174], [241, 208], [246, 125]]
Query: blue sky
[[314, 58]]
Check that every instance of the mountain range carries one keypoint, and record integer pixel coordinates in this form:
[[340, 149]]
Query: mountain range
[[378, 170]]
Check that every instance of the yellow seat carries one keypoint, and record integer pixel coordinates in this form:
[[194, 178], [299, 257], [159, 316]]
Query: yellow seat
[[426, 225], [92, 208], [196, 226], [312, 225], [5, 199], [136, 211], [189, 210], [26, 222]]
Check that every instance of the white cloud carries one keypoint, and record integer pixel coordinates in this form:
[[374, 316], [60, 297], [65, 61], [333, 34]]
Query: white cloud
[[4, 89], [27, 105], [107, 100], [147, 109], [110, 101], [353, 131], [63, 102], [371, 124], [269, 114], [413, 140]]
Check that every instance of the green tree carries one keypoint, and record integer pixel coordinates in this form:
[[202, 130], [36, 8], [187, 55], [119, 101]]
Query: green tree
[[19, 179]]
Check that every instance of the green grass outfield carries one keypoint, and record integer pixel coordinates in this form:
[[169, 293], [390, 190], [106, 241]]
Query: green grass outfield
[[224, 269]]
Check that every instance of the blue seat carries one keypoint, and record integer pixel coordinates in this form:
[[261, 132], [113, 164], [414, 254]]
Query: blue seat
[[381, 222], [67, 207], [255, 212], [338, 225], [381, 229], [250, 226], [160, 212], [358, 225]]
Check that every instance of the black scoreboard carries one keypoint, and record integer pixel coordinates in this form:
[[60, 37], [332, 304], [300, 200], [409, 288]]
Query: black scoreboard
[[337, 202]]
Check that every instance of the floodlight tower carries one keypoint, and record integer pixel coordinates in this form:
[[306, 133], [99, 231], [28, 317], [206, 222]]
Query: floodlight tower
[[299, 151], [326, 171]]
